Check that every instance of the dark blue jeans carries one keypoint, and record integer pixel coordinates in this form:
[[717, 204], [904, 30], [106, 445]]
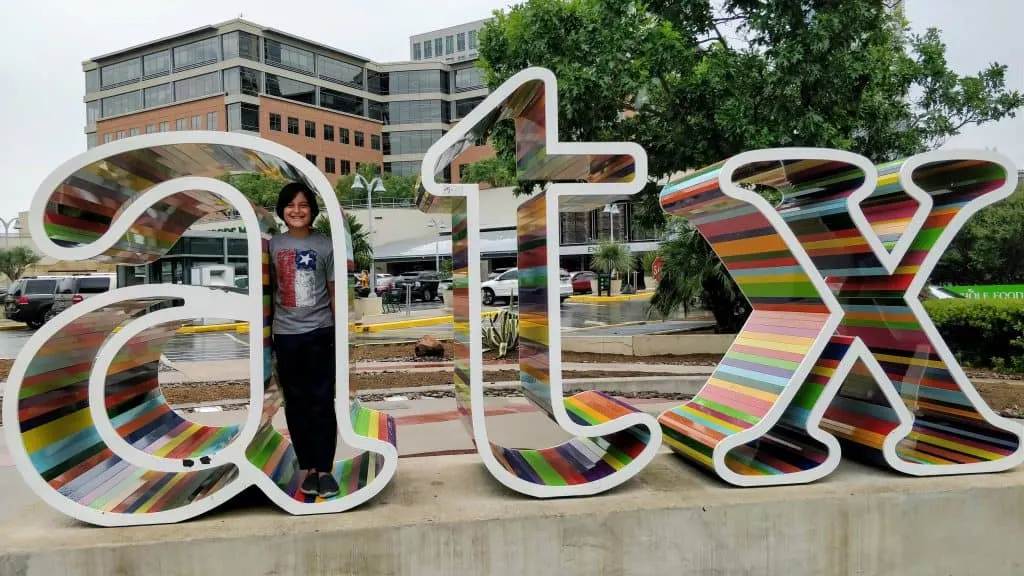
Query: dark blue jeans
[[305, 367]]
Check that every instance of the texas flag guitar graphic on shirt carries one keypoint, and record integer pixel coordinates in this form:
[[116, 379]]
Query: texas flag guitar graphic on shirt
[[297, 277]]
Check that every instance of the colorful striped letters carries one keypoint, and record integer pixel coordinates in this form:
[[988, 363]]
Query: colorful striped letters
[[838, 344]]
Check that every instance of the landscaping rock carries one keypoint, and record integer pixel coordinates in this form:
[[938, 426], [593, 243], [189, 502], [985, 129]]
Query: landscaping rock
[[428, 347]]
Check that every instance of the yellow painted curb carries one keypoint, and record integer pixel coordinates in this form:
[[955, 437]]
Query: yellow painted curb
[[234, 326], [12, 327], [590, 299]]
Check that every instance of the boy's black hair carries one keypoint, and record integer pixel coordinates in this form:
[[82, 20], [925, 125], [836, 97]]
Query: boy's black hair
[[289, 192]]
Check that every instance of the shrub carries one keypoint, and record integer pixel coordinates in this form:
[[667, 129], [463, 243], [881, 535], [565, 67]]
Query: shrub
[[982, 333]]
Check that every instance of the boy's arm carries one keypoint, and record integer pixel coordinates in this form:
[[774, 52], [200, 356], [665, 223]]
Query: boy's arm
[[330, 292]]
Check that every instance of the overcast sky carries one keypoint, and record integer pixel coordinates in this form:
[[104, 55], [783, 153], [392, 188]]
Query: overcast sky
[[46, 41]]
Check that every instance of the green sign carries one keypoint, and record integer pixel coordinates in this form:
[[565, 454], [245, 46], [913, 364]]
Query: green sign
[[995, 292]]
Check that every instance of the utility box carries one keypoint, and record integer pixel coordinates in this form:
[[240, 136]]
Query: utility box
[[213, 275]]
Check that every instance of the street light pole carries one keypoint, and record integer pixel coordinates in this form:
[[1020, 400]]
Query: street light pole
[[7, 230], [612, 210], [375, 185], [437, 244]]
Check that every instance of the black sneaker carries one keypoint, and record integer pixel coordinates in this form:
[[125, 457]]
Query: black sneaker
[[328, 486], [311, 485]]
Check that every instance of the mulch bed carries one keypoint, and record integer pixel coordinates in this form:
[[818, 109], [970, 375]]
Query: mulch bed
[[5, 369]]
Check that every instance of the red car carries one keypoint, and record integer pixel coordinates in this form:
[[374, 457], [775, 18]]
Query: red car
[[581, 282]]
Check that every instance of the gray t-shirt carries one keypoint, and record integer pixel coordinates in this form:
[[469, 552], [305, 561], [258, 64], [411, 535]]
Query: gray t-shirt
[[301, 268]]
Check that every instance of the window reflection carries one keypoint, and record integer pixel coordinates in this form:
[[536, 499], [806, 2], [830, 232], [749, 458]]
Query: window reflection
[[290, 89]]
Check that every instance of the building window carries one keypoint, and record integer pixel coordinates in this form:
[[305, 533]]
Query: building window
[[197, 53], [293, 125], [311, 158], [288, 57], [469, 79], [438, 46], [417, 52], [472, 40], [90, 140], [328, 132], [121, 134], [197, 122], [133, 132], [107, 138], [461, 38], [417, 112], [275, 122], [378, 111], [198, 86], [463, 107], [360, 139], [156, 64], [179, 125], [449, 44], [310, 129], [428, 49], [165, 126], [243, 116], [241, 45], [211, 121], [341, 102], [92, 81], [92, 112], [340, 72], [329, 165], [157, 95], [410, 142], [150, 128], [417, 82], [290, 89], [121, 73], [122, 104], [375, 141], [346, 166], [407, 168], [343, 135], [242, 81]]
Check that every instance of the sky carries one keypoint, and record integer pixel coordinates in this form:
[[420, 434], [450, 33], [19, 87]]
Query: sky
[[46, 41]]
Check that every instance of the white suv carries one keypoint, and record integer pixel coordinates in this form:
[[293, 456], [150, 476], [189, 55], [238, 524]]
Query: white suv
[[506, 287]]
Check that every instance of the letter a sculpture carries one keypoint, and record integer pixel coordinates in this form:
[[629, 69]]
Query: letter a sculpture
[[87, 424]]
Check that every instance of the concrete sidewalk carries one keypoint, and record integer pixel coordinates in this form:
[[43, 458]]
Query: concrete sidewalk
[[446, 515]]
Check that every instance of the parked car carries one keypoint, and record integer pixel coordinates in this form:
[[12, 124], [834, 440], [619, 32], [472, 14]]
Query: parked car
[[506, 287], [384, 281], [73, 289], [581, 282], [30, 299], [425, 285], [497, 272]]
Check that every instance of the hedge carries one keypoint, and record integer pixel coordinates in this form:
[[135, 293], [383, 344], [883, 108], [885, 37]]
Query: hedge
[[982, 333]]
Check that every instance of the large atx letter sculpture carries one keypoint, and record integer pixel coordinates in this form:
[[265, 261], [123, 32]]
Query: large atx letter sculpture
[[613, 441], [833, 275], [87, 425]]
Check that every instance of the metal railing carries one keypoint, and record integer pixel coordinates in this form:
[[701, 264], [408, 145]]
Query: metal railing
[[379, 203]]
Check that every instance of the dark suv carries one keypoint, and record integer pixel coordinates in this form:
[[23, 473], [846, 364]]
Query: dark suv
[[73, 289], [425, 285], [29, 299]]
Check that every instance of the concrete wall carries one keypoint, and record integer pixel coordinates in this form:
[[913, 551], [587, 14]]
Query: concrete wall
[[446, 516], [649, 345]]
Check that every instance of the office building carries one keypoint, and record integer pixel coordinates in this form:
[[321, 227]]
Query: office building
[[335, 107]]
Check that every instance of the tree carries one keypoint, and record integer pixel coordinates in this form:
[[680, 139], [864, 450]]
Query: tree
[[260, 189], [397, 187], [988, 250], [14, 261], [360, 237], [494, 171], [696, 82]]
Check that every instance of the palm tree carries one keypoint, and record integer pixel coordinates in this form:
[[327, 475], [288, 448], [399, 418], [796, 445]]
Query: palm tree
[[358, 236], [693, 271]]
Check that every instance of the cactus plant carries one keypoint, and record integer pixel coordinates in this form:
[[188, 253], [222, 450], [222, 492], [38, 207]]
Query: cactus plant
[[503, 332]]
